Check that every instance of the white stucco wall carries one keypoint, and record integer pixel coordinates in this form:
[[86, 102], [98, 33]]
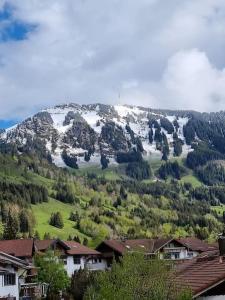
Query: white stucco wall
[[12, 290], [70, 267]]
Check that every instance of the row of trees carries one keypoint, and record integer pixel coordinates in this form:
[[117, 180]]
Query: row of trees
[[22, 194], [16, 224]]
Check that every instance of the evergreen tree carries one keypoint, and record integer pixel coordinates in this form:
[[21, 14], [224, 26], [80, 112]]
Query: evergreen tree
[[104, 161], [77, 239], [24, 222], [11, 228], [56, 220], [85, 241], [47, 236], [123, 193], [177, 144], [150, 136], [4, 212], [36, 235]]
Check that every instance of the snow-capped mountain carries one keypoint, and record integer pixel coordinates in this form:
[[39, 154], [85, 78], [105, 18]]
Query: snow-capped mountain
[[85, 132]]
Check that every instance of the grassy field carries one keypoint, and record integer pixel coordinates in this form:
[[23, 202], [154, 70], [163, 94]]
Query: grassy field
[[111, 173], [42, 213], [219, 209], [191, 179]]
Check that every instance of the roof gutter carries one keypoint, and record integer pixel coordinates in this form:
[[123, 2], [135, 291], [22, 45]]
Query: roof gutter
[[208, 288]]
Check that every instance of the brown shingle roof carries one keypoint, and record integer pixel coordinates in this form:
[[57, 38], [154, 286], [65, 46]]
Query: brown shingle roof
[[18, 248], [143, 245], [43, 244], [70, 247], [195, 244], [116, 245], [78, 249], [201, 274]]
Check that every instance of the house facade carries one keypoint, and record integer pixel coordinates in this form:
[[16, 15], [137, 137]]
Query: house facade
[[12, 274], [175, 249], [74, 255]]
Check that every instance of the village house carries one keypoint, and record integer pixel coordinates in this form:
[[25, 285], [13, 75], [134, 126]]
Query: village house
[[17, 279], [13, 272], [22, 248], [74, 255], [169, 248]]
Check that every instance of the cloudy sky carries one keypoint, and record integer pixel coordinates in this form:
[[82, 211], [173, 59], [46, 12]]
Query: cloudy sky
[[157, 53]]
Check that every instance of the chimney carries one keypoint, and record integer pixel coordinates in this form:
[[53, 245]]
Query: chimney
[[221, 241]]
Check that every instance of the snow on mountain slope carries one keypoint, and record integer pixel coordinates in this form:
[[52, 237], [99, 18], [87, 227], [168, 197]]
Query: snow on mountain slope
[[89, 131]]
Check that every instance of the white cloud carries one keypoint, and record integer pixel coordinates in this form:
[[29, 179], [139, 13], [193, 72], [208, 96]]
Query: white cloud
[[192, 81], [88, 51]]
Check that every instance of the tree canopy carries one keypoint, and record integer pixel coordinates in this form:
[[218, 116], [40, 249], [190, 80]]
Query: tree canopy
[[137, 277]]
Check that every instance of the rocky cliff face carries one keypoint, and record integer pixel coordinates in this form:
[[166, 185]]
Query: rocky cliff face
[[85, 132]]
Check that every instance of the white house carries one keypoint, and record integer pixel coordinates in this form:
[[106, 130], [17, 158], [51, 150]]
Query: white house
[[12, 274], [74, 255], [164, 248]]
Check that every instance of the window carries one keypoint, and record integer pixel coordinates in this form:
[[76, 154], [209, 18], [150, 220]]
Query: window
[[65, 261], [9, 279], [100, 260], [76, 260], [176, 255]]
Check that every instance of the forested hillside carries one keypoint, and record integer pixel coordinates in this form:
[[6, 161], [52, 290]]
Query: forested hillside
[[38, 199], [138, 195]]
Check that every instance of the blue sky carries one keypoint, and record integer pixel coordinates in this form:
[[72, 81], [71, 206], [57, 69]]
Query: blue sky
[[153, 53], [13, 29], [7, 123]]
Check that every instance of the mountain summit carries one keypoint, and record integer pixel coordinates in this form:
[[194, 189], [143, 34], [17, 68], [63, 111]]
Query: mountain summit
[[77, 135]]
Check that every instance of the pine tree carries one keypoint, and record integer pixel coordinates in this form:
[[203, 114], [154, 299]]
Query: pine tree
[[4, 212], [47, 236], [56, 220], [77, 239], [104, 162], [36, 235], [11, 227], [70, 238], [24, 222], [123, 192], [85, 241]]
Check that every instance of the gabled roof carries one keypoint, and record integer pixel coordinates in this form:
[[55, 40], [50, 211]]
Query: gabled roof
[[41, 245], [149, 246], [18, 248], [70, 247], [78, 249], [12, 260], [201, 274], [195, 244]]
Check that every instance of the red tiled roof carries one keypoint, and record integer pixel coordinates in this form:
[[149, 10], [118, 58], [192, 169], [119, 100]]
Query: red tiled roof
[[18, 248], [42, 245], [195, 244], [159, 243], [145, 245], [70, 247], [201, 274], [116, 245], [78, 249]]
